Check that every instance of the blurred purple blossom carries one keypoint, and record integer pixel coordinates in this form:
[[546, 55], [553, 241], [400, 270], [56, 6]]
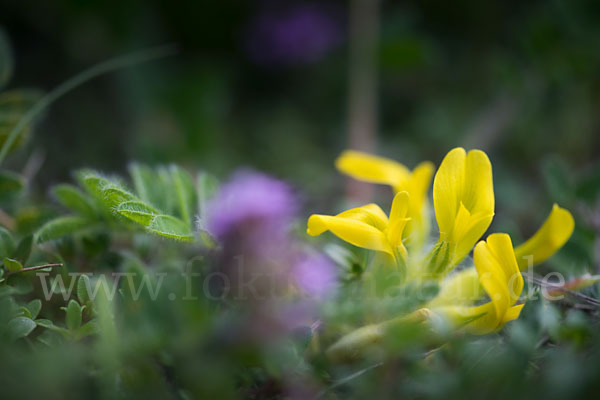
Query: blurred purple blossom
[[250, 197], [316, 275], [301, 34]]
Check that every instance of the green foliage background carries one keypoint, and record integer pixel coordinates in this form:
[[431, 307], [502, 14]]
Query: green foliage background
[[516, 79]]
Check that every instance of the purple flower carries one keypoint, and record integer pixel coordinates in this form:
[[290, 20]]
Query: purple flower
[[316, 275], [298, 35], [250, 197]]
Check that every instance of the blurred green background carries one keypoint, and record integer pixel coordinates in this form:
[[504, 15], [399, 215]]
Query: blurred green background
[[516, 79]]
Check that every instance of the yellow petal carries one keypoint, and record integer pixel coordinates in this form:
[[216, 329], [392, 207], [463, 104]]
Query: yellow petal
[[371, 168], [500, 245], [492, 279], [350, 230], [551, 236], [371, 214], [461, 288], [512, 314], [417, 229], [463, 198], [398, 218]]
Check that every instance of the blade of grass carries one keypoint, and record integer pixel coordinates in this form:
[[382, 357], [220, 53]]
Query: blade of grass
[[79, 79]]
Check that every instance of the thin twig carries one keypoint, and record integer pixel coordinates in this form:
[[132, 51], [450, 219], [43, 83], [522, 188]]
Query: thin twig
[[37, 267], [347, 379], [588, 299]]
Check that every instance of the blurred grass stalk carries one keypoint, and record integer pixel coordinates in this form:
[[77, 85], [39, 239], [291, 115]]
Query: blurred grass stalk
[[362, 105]]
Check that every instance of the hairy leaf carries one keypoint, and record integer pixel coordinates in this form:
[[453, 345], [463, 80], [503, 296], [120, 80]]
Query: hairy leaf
[[73, 199], [137, 211], [168, 226], [60, 227], [185, 193]]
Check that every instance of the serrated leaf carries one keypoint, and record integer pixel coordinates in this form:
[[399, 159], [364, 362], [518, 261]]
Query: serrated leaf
[[73, 317], [83, 286], [60, 227], [20, 327], [23, 250], [113, 195], [7, 243], [168, 226], [12, 265], [137, 211], [185, 192], [6, 60], [73, 199], [34, 307], [92, 182], [11, 184]]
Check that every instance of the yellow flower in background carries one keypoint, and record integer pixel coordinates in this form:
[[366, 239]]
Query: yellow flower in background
[[368, 226], [369, 168]]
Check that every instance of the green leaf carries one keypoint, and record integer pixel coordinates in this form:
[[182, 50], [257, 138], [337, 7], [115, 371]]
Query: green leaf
[[87, 329], [25, 311], [73, 199], [165, 185], [185, 192], [144, 182], [7, 243], [60, 227], [83, 286], [92, 182], [12, 265], [168, 226], [73, 317], [46, 323], [207, 187], [23, 250], [34, 307], [20, 327], [114, 195], [137, 211], [14, 104], [6, 60], [11, 184]]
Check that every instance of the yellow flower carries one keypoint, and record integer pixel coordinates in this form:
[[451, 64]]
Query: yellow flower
[[368, 226], [384, 171], [551, 236], [498, 274], [463, 198]]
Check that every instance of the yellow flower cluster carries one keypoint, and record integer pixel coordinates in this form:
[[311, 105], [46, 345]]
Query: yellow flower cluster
[[463, 200]]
